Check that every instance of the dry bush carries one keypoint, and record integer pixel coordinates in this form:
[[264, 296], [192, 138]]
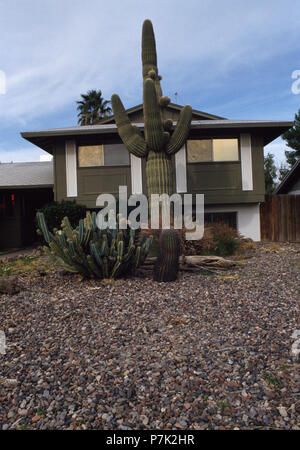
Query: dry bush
[[218, 239]]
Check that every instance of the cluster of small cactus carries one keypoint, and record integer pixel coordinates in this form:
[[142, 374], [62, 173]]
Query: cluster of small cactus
[[92, 252], [167, 263], [160, 140]]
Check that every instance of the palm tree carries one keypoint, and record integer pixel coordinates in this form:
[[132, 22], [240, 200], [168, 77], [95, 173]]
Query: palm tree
[[92, 108]]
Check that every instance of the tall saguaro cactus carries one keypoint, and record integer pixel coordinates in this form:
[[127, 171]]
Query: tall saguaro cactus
[[160, 140]]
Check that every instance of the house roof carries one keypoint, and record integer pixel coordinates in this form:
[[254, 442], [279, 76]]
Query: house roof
[[268, 129], [26, 175], [172, 106], [289, 180]]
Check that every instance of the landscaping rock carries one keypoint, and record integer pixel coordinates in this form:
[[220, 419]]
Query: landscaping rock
[[203, 352], [9, 285]]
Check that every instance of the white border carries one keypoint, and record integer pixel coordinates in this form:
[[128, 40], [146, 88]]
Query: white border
[[180, 166], [71, 168], [246, 162], [136, 174]]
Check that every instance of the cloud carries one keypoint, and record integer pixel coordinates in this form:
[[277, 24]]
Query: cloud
[[277, 148], [57, 50], [215, 54]]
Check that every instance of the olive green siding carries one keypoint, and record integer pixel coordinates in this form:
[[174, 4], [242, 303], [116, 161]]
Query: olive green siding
[[221, 183], [91, 181], [99, 180], [60, 184]]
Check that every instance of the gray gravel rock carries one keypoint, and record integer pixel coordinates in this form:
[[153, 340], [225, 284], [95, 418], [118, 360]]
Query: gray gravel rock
[[204, 352]]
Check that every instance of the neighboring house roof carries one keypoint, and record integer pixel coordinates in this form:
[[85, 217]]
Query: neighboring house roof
[[26, 175], [289, 180], [171, 107]]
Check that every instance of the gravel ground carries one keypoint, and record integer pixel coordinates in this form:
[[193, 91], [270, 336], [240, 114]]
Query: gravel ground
[[204, 352]]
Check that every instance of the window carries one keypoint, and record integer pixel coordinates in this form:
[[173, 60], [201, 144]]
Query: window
[[103, 155], [199, 151], [205, 150], [91, 155]]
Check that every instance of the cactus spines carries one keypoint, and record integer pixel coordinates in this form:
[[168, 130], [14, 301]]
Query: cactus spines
[[107, 254], [167, 263], [159, 142]]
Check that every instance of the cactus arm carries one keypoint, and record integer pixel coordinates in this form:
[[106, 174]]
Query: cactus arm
[[128, 133], [149, 57], [154, 131], [95, 269], [137, 259], [80, 231], [181, 131], [43, 226], [66, 226]]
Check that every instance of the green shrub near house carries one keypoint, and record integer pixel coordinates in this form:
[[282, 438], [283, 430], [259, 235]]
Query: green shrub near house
[[55, 212]]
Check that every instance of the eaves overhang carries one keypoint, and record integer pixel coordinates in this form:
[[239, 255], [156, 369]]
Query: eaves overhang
[[268, 129]]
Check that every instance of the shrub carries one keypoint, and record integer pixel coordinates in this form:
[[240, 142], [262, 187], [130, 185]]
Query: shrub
[[226, 239], [92, 252], [218, 239], [55, 212]]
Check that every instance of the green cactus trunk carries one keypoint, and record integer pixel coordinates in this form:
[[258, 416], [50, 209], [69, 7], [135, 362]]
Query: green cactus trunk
[[167, 263], [159, 174]]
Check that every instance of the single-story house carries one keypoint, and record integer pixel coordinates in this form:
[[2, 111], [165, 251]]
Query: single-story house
[[222, 159], [291, 182], [24, 187]]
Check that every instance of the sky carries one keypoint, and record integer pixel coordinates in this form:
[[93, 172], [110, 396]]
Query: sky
[[231, 58]]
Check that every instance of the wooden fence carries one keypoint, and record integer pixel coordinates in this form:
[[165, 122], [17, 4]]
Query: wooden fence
[[280, 218]]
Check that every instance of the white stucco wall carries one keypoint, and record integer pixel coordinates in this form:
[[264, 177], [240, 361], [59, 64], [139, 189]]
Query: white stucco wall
[[248, 218]]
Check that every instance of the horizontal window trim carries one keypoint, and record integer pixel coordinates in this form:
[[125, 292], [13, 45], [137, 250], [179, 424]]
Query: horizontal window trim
[[104, 167], [234, 161]]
